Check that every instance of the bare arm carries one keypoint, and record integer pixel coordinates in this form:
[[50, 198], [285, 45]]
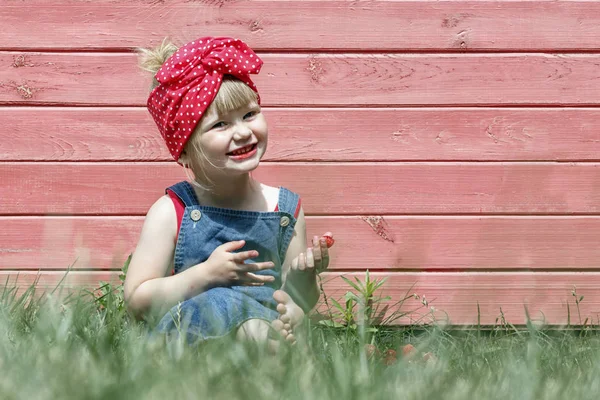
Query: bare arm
[[148, 288], [303, 287]]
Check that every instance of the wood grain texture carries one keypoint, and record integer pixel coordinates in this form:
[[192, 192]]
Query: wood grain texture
[[322, 79], [455, 296], [326, 188], [303, 25], [424, 134], [384, 244], [61, 243], [295, 134]]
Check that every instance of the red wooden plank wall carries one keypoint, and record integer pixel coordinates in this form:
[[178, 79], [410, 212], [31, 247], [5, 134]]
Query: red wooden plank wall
[[452, 146]]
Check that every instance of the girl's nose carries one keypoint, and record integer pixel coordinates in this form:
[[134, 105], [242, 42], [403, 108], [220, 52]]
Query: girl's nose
[[242, 132]]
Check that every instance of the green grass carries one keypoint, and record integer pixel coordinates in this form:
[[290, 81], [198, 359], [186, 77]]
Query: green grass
[[81, 348]]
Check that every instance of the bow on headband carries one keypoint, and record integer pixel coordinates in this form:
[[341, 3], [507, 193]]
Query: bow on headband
[[189, 82]]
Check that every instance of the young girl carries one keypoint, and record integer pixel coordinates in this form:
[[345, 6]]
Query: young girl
[[221, 254]]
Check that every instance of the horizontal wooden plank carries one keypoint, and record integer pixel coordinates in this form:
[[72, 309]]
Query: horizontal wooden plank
[[129, 134], [388, 243], [322, 79], [326, 188], [313, 25], [455, 296], [61, 243]]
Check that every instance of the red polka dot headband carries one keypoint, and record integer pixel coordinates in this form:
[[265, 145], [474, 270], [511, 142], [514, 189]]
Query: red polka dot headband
[[189, 81]]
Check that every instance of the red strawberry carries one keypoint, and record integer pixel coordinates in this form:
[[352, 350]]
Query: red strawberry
[[390, 357], [329, 239], [372, 351], [408, 351]]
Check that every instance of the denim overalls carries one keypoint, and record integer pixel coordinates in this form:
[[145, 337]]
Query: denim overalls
[[220, 310]]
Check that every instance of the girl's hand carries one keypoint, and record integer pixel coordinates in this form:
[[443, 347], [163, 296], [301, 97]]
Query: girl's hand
[[316, 258], [226, 268], [320, 252]]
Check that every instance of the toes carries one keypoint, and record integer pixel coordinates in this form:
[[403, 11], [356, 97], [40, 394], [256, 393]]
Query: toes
[[290, 338], [289, 313], [278, 325], [281, 309], [281, 297], [285, 319]]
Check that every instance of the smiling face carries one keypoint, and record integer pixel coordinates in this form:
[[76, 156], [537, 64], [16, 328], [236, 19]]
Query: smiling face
[[231, 137], [235, 141]]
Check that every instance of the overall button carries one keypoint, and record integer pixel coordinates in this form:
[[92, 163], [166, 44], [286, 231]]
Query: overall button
[[195, 215], [285, 221]]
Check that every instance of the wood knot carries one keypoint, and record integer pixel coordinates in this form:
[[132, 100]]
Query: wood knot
[[25, 91], [462, 39], [380, 227], [315, 69], [255, 26], [452, 21], [21, 61]]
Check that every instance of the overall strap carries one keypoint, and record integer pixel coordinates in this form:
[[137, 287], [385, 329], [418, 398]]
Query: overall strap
[[185, 192], [289, 202]]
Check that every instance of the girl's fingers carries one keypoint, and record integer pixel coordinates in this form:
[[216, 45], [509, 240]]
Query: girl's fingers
[[316, 244], [256, 266], [310, 261], [251, 284], [295, 264], [244, 255], [232, 246], [323, 245], [260, 279], [317, 253], [324, 253], [302, 262]]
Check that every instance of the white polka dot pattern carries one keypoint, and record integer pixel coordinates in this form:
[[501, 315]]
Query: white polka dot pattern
[[189, 81]]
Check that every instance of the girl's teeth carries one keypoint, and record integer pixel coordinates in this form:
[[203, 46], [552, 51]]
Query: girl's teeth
[[242, 151]]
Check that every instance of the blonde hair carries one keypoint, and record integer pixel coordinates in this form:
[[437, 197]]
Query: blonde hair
[[232, 94]]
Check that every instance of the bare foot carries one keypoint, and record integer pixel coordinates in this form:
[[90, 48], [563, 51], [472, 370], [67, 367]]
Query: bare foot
[[258, 331], [290, 316]]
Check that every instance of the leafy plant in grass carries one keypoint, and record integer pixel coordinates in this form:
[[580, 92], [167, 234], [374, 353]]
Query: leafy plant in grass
[[360, 307], [362, 311], [23, 309], [586, 325], [110, 297]]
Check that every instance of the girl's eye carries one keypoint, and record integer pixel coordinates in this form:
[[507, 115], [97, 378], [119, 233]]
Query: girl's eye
[[250, 114], [218, 125]]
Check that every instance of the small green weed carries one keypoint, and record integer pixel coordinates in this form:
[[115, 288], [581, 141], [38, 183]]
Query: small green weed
[[110, 297]]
